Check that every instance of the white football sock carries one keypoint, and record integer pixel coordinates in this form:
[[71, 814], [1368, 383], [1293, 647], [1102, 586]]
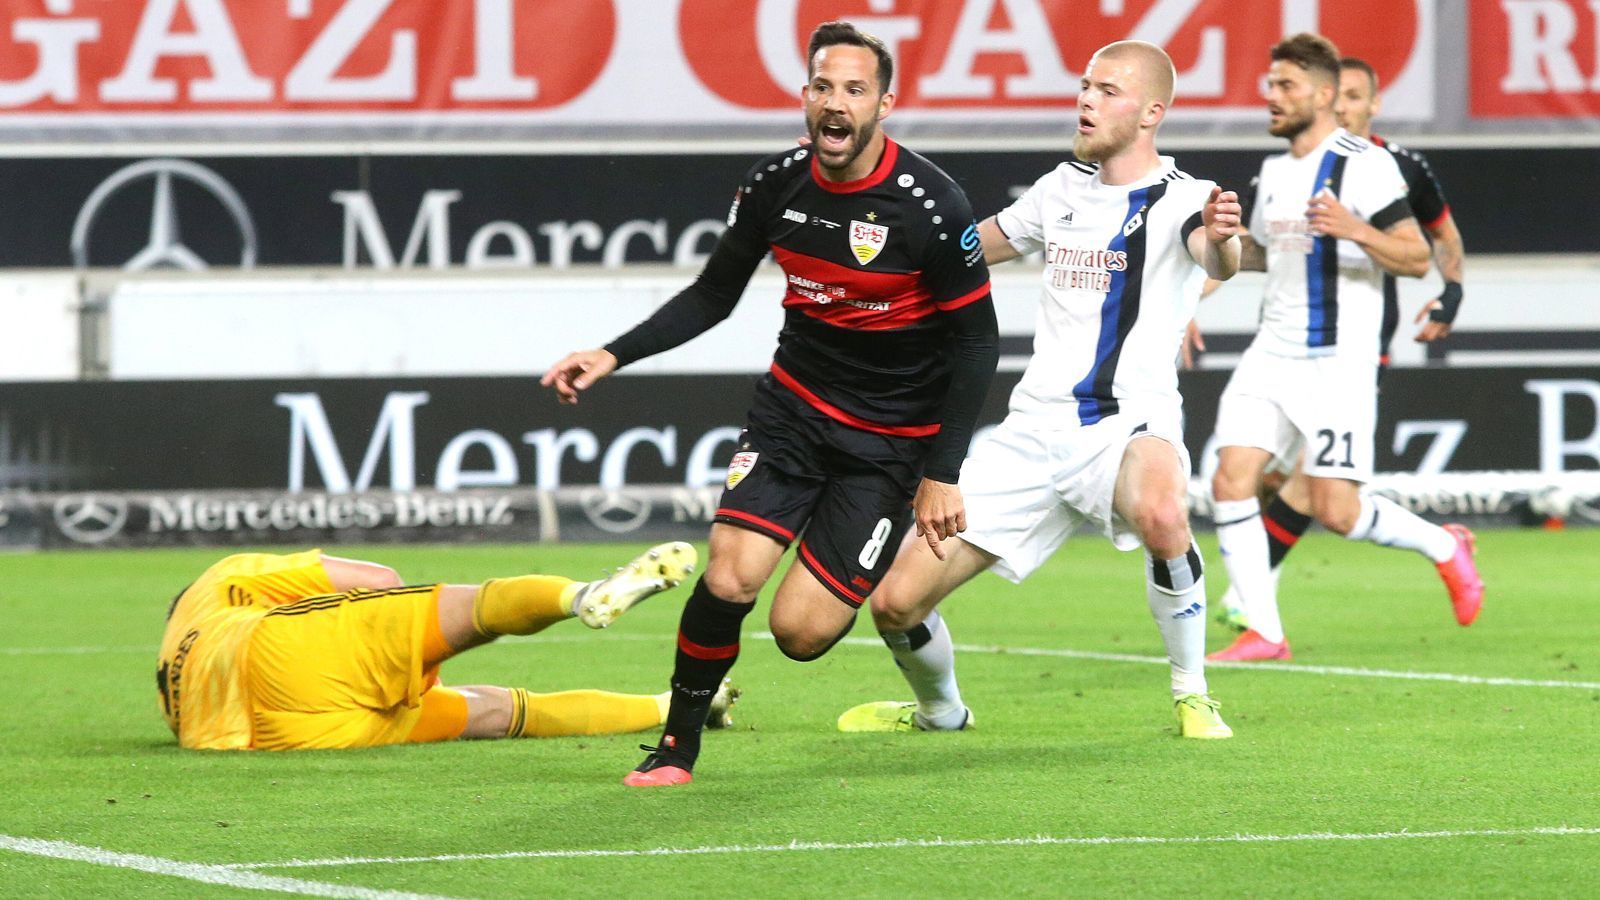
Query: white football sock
[[1385, 522], [1243, 541], [1176, 589], [927, 659], [1230, 597]]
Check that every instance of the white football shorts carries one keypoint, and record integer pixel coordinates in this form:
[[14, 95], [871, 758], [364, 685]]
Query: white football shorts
[[1027, 488], [1326, 405]]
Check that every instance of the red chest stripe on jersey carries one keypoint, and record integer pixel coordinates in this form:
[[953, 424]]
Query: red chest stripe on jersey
[[852, 298], [839, 415], [891, 152]]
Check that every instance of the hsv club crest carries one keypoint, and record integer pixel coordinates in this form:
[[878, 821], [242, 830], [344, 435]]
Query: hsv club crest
[[740, 466], [866, 240]]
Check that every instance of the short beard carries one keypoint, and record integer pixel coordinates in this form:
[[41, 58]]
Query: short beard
[[1085, 150], [1291, 128], [859, 139], [1090, 150]]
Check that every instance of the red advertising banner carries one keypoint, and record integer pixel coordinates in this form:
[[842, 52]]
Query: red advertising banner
[[228, 55], [1535, 58], [695, 65], [1022, 55]]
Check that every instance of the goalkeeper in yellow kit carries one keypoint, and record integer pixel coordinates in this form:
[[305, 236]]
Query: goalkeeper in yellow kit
[[302, 650]]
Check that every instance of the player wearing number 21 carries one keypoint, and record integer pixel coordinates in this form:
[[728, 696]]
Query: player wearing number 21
[[1330, 218]]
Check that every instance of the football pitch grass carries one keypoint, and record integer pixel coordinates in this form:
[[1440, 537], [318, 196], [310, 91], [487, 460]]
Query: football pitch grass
[[1398, 754]]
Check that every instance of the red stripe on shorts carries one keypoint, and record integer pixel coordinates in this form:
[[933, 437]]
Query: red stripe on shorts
[[763, 524], [817, 569]]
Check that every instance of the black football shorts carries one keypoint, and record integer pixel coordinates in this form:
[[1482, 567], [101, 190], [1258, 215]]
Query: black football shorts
[[845, 492]]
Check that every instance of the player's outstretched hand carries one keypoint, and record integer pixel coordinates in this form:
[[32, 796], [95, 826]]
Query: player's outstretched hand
[[940, 513], [1221, 215], [1432, 331], [576, 371], [1328, 217]]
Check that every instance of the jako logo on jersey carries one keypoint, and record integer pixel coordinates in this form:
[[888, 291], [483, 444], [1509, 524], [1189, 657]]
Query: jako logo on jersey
[[867, 240], [969, 238], [794, 216], [740, 466], [1133, 223]]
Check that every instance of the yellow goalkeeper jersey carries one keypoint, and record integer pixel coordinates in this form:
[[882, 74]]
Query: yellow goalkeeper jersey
[[200, 672]]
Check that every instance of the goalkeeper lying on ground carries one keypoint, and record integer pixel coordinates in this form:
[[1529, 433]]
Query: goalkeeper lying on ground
[[280, 652]]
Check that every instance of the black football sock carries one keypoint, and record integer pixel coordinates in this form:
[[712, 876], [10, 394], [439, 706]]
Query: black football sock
[[708, 646], [1284, 525]]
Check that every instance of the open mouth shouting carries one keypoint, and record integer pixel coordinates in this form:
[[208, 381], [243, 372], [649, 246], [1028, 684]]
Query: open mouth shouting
[[834, 137]]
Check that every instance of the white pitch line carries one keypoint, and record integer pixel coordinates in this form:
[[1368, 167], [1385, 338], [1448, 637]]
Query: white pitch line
[[1349, 671], [228, 876], [920, 843], [75, 651], [992, 649]]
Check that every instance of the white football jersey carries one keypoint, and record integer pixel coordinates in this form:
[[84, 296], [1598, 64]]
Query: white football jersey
[[1324, 296], [1119, 287]]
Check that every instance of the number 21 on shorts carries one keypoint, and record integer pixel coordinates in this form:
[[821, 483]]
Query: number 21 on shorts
[[1330, 441], [874, 545]]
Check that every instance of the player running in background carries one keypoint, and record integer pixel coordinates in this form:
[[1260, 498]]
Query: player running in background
[[888, 346], [1330, 217], [1095, 430], [1286, 517], [304, 650]]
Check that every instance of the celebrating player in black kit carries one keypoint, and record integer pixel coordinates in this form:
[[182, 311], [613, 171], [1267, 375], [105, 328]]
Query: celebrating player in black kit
[[887, 350]]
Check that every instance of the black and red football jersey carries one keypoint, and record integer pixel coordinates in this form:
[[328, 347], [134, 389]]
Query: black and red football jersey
[[870, 266]]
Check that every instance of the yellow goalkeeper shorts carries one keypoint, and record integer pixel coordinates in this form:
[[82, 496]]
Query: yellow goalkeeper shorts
[[340, 670]]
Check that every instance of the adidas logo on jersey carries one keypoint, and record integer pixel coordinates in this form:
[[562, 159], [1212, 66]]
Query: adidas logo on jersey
[[1065, 220]]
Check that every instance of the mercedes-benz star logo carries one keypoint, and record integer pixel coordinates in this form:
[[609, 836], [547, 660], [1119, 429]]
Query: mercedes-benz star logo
[[90, 518], [164, 248], [614, 511]]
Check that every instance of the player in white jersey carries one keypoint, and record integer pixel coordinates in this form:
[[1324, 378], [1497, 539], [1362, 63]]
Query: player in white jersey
[[1330, 218], [1095, 433]]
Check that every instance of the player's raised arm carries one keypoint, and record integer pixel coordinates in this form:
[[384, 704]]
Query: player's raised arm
[[689, 314], [1215, 246], [1392, 238]]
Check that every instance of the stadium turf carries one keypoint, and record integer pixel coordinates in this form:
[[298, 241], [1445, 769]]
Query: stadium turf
[[1345, 778]]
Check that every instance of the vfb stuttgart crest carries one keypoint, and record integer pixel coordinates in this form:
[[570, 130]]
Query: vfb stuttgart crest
[[740, 466], [867, 240]]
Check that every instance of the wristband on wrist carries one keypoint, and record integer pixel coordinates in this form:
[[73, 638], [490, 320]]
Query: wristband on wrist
[[1449, 303]]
